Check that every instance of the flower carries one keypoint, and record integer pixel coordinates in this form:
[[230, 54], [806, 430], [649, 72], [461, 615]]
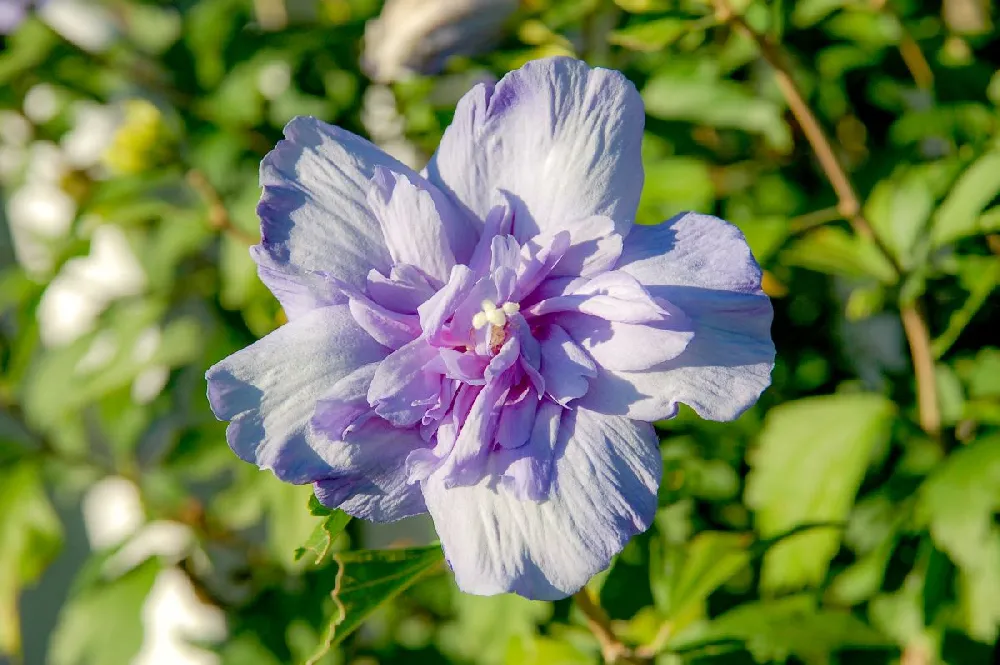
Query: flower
[[418, 36], [12, 13], [490, 341]]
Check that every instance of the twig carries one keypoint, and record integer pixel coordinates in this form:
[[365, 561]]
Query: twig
[[919, 340], [909, 50], [612, 649], [655, 646], [849, 205], [218, 216]]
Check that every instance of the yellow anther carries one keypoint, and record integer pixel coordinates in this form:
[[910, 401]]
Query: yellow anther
[[496, 317], [511, 308], [479, 320]]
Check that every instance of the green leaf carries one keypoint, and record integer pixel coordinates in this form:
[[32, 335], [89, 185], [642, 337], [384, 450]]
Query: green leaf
[[673, 185], [707, 101], [652, 36], [774, 630], [31, 535], [980, 275], [898, 209], [102, 624], [540, 650], [836, 251], [958, 216], [644, 6], [958, 503], [807, 469], [809, 12], [984, 375], [332, 524], [369, 578], [486, 629], [712, 558]]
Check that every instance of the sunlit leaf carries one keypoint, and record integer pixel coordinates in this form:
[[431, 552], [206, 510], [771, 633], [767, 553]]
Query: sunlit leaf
[[959, 214], [331, 525], [959, 502], [774, 630], [369, 578], [102, 624], [715, 103], [807, 469], [31, 535]]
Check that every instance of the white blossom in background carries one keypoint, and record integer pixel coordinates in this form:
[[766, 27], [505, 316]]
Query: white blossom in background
[[418, 36], [173, 616], [39, 211], [83, 22], [94, 127], [387, 127], [273, 79], [41, 103], [87, 285], [151, 380]]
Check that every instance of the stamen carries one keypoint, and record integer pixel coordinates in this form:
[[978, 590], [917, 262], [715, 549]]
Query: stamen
[[511, 308], [479, 320], [488, 306], [496, 317]]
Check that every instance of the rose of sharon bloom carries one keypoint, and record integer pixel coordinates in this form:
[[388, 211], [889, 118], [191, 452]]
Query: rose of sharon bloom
[[489, 341]]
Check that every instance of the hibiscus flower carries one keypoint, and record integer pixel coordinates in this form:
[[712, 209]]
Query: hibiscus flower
[[490, 341]]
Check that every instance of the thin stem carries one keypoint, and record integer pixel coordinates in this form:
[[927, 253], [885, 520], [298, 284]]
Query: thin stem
[[919, 340], [849, 205], [612, 649], [909, 50], [655, 646], [218, 216]]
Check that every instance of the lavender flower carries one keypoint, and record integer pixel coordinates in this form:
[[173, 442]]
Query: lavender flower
[[489, 341], [12, 13]]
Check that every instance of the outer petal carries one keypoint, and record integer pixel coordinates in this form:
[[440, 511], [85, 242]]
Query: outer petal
[[561, 138], [269, 390], [702, 265], [603, 491], [314, 211], [371, 482]]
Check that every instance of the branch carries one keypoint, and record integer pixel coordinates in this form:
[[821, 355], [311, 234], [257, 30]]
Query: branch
[[612, 649], [849, 205], [218, 216], [919, 340]]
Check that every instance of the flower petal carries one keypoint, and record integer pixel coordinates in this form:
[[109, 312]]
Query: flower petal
[[402, 389], [614, 296], [411, 224], [371, 482], [604, 481], [298, 291], [527, 470], [403, 291], [314, 211], [702, 265], [386, 327], [630, 346], [269, 390], [563, 139], [565, 366]]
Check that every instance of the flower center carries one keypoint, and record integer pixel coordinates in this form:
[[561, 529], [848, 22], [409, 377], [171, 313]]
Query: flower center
[[496, 318]]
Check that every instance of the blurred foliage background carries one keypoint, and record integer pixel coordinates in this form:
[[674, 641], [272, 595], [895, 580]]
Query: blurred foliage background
[[850, 517]]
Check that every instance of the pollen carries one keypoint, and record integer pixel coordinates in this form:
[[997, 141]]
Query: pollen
[[494, 316]]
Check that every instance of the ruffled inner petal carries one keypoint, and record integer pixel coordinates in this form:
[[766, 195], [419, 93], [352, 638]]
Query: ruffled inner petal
[[411, 224]]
